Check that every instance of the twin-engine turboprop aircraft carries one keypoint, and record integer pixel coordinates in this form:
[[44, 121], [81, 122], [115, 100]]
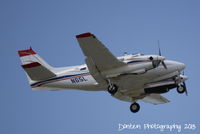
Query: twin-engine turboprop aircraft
[[128, 78]]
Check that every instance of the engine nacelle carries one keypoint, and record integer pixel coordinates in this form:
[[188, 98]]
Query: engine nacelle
[[155, 90], [159, 90]]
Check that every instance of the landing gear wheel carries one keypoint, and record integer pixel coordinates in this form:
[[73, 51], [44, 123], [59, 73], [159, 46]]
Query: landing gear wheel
[[181, 89], [112, 89], [135, 107]]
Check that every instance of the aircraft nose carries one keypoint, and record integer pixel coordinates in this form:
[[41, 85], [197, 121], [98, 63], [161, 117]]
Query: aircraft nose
[[181, 66]]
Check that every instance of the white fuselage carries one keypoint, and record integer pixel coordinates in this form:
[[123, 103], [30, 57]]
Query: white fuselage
[[78, 77]]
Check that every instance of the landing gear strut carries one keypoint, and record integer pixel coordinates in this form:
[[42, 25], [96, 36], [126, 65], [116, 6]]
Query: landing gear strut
[[135, 107], [181, 88]]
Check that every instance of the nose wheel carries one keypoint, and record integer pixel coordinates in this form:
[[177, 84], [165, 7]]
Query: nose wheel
[[181, 88], [135, 107]]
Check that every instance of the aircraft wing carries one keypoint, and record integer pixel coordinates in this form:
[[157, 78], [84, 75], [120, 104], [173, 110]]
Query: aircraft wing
[[155, 99], [94, 50]]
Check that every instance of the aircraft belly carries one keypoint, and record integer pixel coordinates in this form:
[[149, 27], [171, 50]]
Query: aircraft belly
[[131, 87]]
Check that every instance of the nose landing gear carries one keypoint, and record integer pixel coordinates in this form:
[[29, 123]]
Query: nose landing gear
[[181, 88]]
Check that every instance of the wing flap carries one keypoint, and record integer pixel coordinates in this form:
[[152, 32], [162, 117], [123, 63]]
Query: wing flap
[[95, 72], [155, 99]]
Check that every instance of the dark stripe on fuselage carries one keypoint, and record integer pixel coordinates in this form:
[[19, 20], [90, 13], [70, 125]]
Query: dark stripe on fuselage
[[137, 61], [57, 78]]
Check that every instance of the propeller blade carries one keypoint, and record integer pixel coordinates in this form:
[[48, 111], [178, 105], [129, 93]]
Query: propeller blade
[[185, 88], [156, 63], [159, 48], [163, 63]]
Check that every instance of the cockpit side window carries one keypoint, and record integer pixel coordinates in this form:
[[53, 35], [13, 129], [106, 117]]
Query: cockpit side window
[[83, 68]]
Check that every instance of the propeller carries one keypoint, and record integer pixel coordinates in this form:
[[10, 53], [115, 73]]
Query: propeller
[[163, 63], [156, 62], [186, 93]]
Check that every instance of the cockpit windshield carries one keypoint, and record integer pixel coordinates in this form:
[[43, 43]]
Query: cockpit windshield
[[137, 54]]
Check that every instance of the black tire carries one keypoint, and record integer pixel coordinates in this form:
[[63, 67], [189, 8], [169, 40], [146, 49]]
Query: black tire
[[135, 107], [112, 89], [181, 89]]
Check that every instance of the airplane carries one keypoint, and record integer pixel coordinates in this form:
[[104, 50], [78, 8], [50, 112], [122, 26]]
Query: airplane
[[130, 78]]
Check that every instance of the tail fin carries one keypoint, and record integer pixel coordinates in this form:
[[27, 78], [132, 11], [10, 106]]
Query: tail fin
[[35, 67]]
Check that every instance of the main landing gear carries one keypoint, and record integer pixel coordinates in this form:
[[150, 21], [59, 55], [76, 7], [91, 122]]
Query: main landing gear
[[135, 107], [112, 88]]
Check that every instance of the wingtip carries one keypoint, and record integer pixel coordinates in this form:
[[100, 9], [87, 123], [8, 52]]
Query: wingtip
[[84, 35]]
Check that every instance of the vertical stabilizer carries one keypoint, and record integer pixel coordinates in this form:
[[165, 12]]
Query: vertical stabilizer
[[35, 67]]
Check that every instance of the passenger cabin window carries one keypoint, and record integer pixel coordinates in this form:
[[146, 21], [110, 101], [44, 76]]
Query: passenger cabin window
[[84, 68]]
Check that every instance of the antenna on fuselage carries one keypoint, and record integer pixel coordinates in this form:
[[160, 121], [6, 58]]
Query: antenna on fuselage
[[30, 44]]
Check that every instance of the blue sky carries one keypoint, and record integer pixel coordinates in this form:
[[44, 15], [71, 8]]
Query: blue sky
[[123, 26]]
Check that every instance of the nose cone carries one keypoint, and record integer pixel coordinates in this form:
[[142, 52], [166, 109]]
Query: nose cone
[[181, 66], [183, 77]]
